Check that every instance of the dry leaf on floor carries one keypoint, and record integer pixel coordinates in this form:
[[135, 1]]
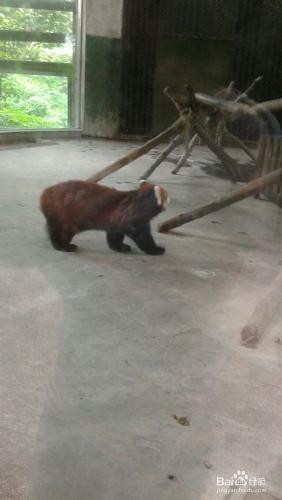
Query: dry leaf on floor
[[182, 420]]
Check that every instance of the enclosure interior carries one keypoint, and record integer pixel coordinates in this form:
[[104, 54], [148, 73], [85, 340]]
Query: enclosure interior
[[123, 376]]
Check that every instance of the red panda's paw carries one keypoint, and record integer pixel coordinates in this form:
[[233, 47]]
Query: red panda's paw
[[70, 247], [115, 242], [156, 251], [125, 248]]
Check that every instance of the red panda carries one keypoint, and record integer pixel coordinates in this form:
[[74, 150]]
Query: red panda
[[75, 206]]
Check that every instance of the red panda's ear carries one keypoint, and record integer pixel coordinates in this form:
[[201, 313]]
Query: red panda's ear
[[144, 186]]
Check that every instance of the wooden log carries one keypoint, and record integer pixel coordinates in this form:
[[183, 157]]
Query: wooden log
[[265, 146], [183, 160], [257, 185], [174, 129], [230, 94], [184, 105], [238, 107], [228, 163], [188, 145], [185, 102], [180, 123], [269, 154], [250, 88], [188, 107], [170, 147], [269, 159], [240, 144], [256, 326]]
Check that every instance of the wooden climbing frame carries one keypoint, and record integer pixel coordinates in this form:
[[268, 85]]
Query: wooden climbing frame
[[190, 107]]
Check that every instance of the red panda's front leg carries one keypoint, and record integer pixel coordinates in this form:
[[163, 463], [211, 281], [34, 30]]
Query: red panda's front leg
[[141, 235], [115, 242]]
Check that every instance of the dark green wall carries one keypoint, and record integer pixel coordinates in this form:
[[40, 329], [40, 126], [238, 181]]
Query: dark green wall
[[206, 64], [102, 86]]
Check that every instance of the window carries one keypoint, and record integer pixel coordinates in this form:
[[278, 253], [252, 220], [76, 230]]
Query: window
[[40, 44]]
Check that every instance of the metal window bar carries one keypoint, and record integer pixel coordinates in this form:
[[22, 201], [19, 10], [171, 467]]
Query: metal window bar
[[61, 5], [138, 59]]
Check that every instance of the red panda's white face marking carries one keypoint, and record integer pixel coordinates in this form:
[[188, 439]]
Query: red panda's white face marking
[[161, 195], [158, 195], [166, 202]]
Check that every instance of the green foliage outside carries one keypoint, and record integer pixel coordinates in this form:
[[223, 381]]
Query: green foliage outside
[[34, 101]]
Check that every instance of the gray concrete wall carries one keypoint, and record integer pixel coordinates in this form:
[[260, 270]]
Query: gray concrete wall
[[102, 67], [104, 18]]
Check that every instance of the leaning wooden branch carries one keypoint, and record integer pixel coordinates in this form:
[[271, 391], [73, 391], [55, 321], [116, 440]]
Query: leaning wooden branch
[[238, 107], [240, 144], [250, 88], [249, 189], [230, 89], [252, 332], [183, 106], [164, 154], [230, 166], [184, 103], [175, 128], [188, 107], [187, 151]]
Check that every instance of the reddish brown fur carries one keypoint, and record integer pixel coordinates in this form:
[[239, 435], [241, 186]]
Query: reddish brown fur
[[74, 206]]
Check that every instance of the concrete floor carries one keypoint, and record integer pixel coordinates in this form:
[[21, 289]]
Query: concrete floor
[[98, 351]]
